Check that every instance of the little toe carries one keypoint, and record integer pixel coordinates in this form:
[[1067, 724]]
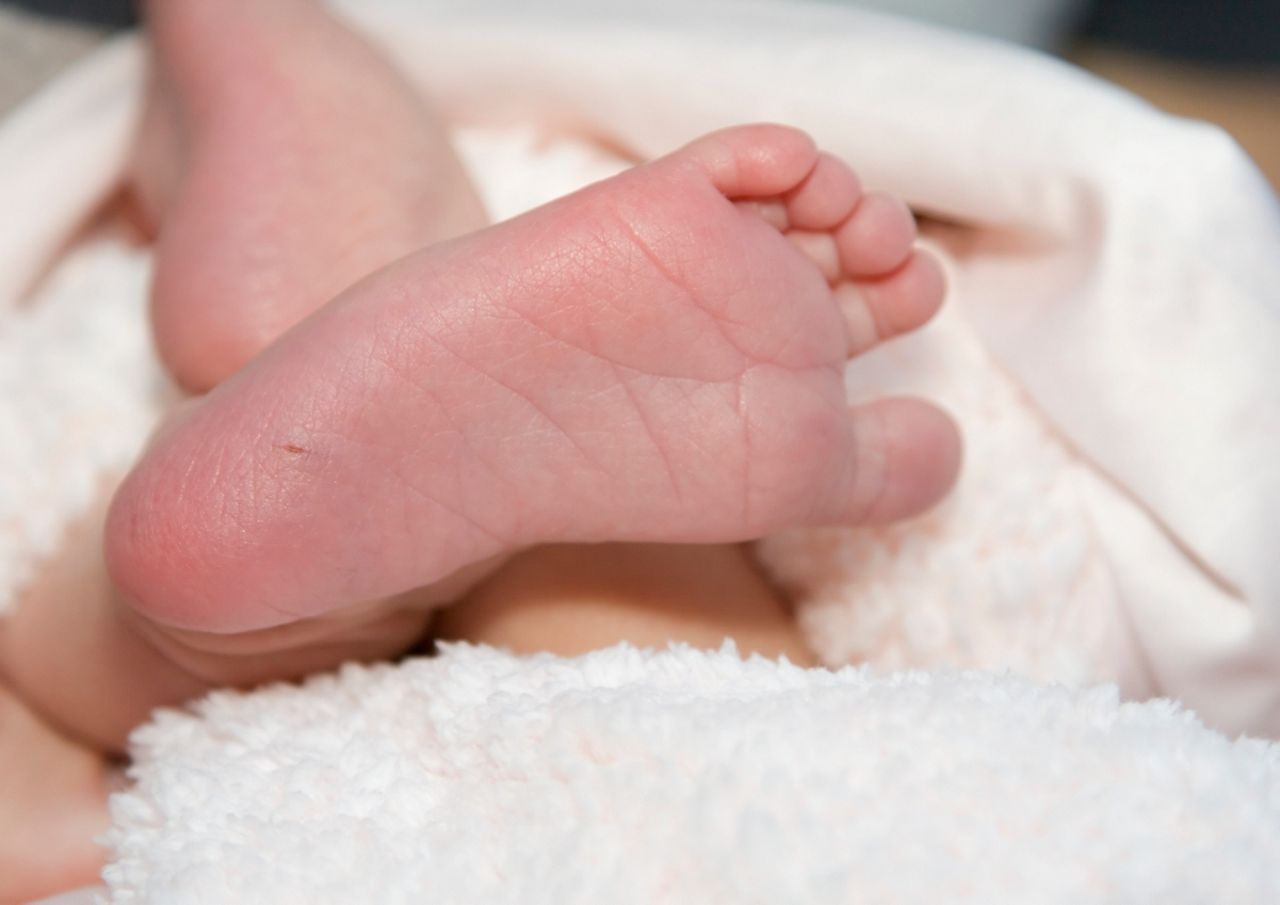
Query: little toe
[[877, 237], [902, 301], [905, 456], [826, 197], [754, 161]]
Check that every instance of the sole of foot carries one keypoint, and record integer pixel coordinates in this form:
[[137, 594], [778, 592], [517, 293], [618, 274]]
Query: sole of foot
[[658, 357]]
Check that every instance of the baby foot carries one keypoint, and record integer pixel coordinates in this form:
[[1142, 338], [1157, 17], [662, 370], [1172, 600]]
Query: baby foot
[[283, 159], [658, 357]]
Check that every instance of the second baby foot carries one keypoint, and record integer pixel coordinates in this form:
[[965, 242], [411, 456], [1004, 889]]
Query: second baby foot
[[658, 357], [281, 159]]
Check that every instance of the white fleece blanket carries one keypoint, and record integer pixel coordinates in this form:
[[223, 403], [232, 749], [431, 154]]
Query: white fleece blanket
[[1110, 348]]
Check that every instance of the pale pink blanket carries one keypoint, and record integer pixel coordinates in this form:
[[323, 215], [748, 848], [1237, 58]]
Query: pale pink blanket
[[1113, 345]]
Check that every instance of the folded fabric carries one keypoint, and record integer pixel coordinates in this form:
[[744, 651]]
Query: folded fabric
[[1110, 347], [685, 776]]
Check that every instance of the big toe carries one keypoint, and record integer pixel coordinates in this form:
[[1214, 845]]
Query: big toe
[[903, 457]]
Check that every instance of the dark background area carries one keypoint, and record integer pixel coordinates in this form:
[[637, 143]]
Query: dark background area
[[1224, 31], [118, 14]]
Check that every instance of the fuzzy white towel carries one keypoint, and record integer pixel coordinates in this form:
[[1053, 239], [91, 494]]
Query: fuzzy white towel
[[683, 776], [1110, 350]]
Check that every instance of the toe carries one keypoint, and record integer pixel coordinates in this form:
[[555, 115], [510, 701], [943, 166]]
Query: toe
[[756, 161], [826, 197], [770, 210], [904, 457], [820, 248], [878, 236], [876, 310]]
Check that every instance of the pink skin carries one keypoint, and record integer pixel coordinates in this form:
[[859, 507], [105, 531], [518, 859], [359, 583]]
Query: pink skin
[[269, 204], [52, 805], [647, 359]]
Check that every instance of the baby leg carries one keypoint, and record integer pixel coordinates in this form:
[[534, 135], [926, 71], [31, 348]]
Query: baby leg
[[52, 804], [570, 599], [53, 788]]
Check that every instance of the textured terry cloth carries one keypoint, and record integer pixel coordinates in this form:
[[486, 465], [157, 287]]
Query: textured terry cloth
[[684, 776], [1109, 349]]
